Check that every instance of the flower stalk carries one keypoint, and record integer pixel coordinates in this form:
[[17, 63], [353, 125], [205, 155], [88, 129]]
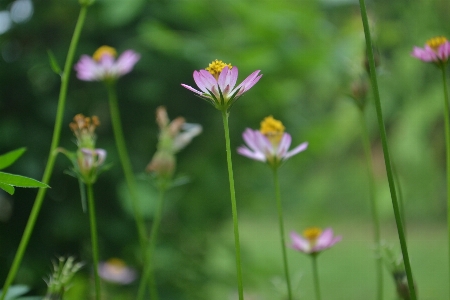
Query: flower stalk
[[316, 276], [94, 238], [126, 166], [52, 155], [233, 204], [282, 234], [387, 160]]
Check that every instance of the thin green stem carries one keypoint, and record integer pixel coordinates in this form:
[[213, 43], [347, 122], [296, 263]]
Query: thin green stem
[[233, 205], [373, 205], [316, 275], [447, 142], [52, 155], [94, 239], [401, 202], [126, 165], [149, 275], [282, 235], [387, 160]]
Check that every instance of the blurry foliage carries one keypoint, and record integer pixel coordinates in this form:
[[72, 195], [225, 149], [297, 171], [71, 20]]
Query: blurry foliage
[[309, 52]]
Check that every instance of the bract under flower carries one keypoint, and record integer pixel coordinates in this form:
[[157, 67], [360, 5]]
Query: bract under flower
[[103, 65], [436, 50], [314, 240], [217, 84], [270, 144]]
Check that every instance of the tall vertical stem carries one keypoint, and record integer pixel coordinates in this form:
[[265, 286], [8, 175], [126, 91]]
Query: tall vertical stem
[[94, 238], [373, 205], [282, 235], [149, 275], [233, 205], [387, 160], [126, 166], [51, 157], [447, 143], [316, 275]]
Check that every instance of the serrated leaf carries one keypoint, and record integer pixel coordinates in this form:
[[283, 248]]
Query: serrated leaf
[[20, 181], [7, 188], [9, 158], [53, 62]]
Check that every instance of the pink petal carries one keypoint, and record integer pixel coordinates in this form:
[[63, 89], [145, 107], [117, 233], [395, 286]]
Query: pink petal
[[444, 51], [296, 150], [253, 155], [191, 89], [299, 243], [199, 81], [284, 145], [126, 61]]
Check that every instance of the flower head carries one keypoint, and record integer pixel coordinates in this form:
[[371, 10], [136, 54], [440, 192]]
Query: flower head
[[270, 144], [173, 137], [103, 65], [436, 50], [60, 279], [84, 130], [217, 84], [314, 240], [116, 271]]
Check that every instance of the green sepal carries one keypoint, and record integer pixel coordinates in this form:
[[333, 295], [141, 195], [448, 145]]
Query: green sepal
[[9, 158], [54, 63], [20, 181]]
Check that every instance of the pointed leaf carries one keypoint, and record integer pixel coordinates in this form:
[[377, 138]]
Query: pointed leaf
[[53, 62], [7, 188], [9, 158], [20, 181]]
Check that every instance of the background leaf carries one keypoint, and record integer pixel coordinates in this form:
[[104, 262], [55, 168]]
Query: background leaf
[[9, 158]]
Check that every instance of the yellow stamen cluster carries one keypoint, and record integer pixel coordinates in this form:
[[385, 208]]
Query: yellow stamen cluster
[[104, 50], [436, 42], [272, 129], [216, 67], [312, 233], [116, 262]]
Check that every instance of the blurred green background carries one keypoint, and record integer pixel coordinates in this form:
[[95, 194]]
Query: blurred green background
[[309, 51]]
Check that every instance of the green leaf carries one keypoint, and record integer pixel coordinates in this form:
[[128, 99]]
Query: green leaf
[[54, 63], [7, 188], [20, 181], [9, 158], [16, 291]]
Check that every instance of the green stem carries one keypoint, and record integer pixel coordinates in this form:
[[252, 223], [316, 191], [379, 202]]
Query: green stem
[[52, 155], [94, 239], [316, 275], [447, 142], [373, 205], [233, 205], [282, 235], [401, 202], [387, 160], [126, 165], [148, 270]]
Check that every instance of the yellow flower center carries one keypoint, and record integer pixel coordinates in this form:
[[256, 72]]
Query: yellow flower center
[[216, 67], [104, 50], [312, 234], [272, 129], [116, 262], [436, 42]]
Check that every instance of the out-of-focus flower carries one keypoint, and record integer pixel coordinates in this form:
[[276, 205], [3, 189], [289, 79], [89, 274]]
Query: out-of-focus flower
[[270, 144], [88, 162], [103, 65], [115, 270], [59, 281], [173, 137], [436, 50], [217, 84], [314, 240], [84, 130], [359, 89]]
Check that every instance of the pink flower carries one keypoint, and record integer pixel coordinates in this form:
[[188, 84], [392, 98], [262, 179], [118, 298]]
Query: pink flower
[[269, 144], [217, 84], [436, 50], [314, 240], [103, 66], [116, 271]]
